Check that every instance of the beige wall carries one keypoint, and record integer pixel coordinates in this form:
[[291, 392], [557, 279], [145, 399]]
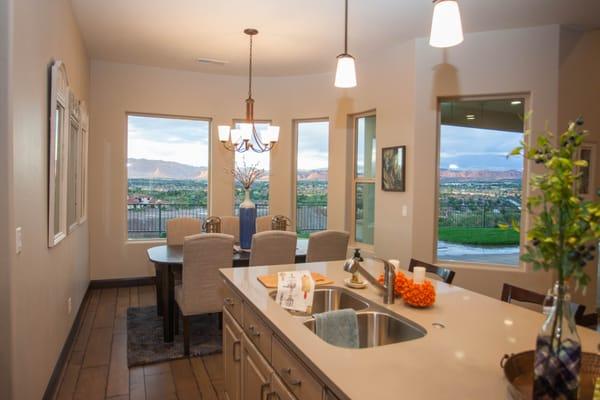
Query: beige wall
[[5, 198], [42, 279], [579, 94]]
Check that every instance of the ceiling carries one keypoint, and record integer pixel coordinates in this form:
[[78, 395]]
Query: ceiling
[[296, 37]]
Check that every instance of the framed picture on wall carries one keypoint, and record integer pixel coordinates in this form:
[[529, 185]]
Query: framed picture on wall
[[587, 152], [393, 162]]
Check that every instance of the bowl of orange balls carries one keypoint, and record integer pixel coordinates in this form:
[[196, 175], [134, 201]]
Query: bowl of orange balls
[[416, 292]]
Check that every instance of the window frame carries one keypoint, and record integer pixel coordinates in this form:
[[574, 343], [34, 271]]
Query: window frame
[[295, 123], [354, 179], [236, 121], [525, 187], [126, 156]]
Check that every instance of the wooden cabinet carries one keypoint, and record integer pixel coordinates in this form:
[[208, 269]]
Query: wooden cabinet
[[256, 372], [279, 391], [257, 331], [232, 356], [232, 303]]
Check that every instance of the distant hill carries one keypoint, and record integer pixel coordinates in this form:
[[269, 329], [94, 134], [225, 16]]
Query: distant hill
[[140, 168], [479, 175]]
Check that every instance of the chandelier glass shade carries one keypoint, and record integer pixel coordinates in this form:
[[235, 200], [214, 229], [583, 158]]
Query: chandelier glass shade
[[345, 74], [246, 137]]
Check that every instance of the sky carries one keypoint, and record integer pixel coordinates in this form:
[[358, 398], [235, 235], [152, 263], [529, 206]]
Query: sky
[[180, 140], [186, 141], [476, 149]]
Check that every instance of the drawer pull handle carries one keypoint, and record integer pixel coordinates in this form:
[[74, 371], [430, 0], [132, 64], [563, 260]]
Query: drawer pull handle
[[228, 301], [253, 331], [288, 378], [264, 386], [237, 345], [273, 395]]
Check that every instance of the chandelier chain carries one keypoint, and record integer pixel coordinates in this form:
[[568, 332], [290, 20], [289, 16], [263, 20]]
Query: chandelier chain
[[250, 71]]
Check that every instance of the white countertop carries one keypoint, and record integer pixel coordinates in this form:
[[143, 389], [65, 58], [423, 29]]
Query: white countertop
[[461, 361]]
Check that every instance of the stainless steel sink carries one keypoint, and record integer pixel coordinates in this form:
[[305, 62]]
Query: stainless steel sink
[[328, 299], [377, 328]]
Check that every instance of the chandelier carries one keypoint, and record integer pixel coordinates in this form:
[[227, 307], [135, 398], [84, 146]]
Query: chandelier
[[246, 137]]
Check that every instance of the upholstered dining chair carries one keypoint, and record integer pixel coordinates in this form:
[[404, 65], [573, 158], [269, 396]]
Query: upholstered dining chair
[[327, 245], [273, 248], [511, 292], [446, 274], [263, 223], [200, 291], [230, 225], [179, 228]]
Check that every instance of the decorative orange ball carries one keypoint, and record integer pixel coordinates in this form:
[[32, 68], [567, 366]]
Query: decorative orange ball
[[419, 295], [400, 282]]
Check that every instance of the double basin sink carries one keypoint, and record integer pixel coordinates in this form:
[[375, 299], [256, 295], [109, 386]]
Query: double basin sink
[[377, 326]]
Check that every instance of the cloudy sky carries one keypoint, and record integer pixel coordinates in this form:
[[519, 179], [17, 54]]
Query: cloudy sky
[[180, 140], [471, 148], [186, 141]]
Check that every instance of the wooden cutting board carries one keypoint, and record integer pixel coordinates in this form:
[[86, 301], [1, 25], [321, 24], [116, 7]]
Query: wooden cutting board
[[270, 281]]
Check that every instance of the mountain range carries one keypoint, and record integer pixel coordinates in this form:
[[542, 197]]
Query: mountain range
[[141, 168]]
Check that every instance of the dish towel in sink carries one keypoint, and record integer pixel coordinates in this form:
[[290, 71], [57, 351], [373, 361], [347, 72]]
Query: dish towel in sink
[[339, 327]]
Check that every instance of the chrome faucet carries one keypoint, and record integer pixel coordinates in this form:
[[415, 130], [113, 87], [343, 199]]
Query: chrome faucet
[[389, 275]]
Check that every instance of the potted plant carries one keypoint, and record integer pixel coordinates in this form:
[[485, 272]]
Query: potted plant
[[562, 239], [246, 175]]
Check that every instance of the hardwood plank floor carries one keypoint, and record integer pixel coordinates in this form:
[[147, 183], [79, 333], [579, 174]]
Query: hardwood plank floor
[[97, 365]]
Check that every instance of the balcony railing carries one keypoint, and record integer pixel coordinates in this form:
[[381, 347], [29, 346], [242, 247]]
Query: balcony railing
[[480, 216], [147, 221]]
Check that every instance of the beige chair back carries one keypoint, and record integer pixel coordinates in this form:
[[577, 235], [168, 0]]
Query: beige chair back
[[263, 223], [203, 255], [327, 245], [231, 226], [179, 228], [273, 248]]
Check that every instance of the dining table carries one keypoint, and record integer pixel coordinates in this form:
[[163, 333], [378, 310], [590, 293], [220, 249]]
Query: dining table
[[168, 262]]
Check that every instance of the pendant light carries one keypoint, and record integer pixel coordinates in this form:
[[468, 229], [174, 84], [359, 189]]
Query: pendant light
[[446, 26], [345, 74]]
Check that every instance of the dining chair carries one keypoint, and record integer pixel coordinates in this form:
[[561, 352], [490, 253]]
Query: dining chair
[[327, 245], [446, 274], [273, 248], [264, 223], [179, 228], [230, 225], [200, 291], [511, 292]]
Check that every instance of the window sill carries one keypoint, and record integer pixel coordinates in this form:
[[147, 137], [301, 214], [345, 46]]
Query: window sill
[[482, 267]]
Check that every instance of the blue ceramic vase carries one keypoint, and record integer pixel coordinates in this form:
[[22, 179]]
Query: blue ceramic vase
[[247, 221]]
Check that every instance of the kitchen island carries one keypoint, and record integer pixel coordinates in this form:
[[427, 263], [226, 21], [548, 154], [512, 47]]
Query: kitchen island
[[458, 358]]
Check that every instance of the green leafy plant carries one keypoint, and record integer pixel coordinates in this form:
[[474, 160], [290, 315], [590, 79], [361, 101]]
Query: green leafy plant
[[565, 227]]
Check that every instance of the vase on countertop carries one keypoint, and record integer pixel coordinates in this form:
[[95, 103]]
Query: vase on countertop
[[247, 221], [558, 351]]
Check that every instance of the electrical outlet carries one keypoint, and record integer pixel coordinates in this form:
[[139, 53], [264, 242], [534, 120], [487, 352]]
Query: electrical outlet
[[69, 306], [19, 240]]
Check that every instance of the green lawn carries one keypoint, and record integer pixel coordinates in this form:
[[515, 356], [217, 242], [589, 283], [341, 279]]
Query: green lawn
[[479, 236]]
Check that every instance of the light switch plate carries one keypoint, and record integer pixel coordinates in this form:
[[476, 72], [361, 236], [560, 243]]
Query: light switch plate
[[404, 211], [19, 240]]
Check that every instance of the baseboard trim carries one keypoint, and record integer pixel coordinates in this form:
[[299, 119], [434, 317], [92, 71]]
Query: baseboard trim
[[124, 282], [54, 381]]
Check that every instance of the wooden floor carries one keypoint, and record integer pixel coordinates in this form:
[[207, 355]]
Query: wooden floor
[[97, 366]]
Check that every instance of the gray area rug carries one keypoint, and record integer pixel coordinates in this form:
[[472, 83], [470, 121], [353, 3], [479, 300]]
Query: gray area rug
[[145, 343]]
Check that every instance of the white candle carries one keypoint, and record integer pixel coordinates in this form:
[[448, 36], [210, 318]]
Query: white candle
[[395, 263], [419, 274]]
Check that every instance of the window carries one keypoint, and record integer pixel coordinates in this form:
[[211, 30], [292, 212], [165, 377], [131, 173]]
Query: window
[[479, 187], [167, 171], [363, 186], [260, 189], [73, 178], [312, 165]]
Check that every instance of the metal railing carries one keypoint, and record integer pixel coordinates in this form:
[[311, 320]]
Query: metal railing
[[480, 216], [147, 221]]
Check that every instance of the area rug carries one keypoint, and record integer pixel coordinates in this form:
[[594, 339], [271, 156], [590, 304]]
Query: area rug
[[145, 343]]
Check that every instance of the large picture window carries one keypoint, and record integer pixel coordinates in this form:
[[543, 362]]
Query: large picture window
[[312, 164], [363, 187], [167, 168], [260, 189], [479, 187]]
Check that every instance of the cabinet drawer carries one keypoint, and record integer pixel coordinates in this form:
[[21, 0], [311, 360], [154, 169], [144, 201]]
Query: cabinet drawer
[[258, 332], [294, 374], [278, 390], [232, 303]]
